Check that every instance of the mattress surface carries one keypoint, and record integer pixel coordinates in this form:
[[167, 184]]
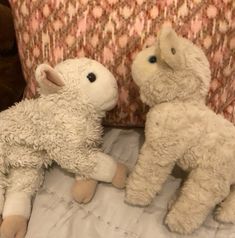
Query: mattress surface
[[56, 215]]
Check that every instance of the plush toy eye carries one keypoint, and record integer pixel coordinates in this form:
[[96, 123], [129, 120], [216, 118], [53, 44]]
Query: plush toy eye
[[152, 59], [91, 77]]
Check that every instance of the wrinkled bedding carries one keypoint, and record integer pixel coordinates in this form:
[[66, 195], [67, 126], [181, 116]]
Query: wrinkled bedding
[[56, 215]]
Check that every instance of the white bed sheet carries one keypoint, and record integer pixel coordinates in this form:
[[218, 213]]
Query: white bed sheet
[[56, 215]]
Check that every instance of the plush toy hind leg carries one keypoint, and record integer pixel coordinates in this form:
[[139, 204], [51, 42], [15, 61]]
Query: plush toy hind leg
[[199, 195], [149, 174], [23, 183], [226, 211]]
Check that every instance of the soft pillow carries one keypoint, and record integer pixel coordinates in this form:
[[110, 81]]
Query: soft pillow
[[112, 31]]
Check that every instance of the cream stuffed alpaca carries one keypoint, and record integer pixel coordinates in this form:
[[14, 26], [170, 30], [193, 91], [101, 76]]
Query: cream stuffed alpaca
[[173, 76], [62, 125]]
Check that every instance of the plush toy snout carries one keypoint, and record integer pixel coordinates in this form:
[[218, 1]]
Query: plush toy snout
[[103, 92], [170, 48], [142, 68]]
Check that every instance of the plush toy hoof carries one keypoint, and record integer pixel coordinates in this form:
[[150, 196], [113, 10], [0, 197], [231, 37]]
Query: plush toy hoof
[[184, 225], [225, 215], [119, 179], [14, 227], [138, 198], [84, 190]]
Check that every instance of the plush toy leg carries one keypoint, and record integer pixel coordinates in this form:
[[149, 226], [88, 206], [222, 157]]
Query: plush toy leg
[[226, 211], [83, 190], [199, 195], [108, 170], [23, 183], [147, 178]]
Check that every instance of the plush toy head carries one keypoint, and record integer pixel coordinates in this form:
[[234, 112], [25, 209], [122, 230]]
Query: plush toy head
[[82, 78], [170, 70]]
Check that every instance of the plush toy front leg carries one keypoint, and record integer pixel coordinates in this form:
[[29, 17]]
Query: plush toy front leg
[[23, 184], [148, 176], [201, 192], [83, 190], [106, 170]]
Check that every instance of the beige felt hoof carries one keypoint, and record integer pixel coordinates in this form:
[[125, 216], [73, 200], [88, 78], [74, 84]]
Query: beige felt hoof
[[84, 190], [225, 215], [14, 227], [119, 179]]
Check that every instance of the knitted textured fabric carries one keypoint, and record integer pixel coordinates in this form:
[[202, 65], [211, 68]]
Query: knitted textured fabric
[[112, 31]]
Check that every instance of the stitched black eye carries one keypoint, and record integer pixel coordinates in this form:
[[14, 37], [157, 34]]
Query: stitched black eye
[[91, 77], [152, 59]]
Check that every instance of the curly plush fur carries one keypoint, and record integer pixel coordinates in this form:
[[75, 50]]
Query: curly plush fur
[[62, 125], [173, 76]]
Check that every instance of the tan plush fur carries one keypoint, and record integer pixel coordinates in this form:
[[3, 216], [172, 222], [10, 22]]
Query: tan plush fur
[[181, 130]]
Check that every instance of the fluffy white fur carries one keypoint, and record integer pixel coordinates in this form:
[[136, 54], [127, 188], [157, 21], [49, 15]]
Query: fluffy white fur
[[181, 130], [62, 125]]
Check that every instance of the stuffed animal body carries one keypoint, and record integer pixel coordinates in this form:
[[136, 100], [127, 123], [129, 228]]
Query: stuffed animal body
[[62, 125], [173, 76]]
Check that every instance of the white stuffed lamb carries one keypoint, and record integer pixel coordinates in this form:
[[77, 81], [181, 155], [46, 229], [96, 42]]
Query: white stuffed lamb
[[174, 76], [62, 125]]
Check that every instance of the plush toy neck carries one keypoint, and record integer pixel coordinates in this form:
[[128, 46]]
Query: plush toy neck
[[73, 103]]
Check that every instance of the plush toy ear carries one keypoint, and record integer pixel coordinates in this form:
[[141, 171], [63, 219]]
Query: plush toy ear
[[49, 80], [170, 48]]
